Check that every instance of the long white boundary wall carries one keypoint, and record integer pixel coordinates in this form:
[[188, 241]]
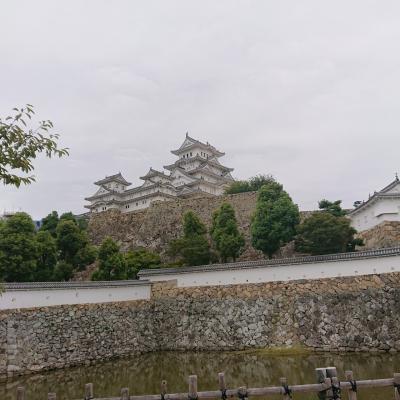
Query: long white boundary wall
[[30, 295], [338, 265]]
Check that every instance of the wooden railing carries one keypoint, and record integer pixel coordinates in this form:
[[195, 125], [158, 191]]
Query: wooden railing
[[327, 387]]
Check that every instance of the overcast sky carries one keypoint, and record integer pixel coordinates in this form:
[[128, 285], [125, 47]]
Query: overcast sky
[[305, 90]]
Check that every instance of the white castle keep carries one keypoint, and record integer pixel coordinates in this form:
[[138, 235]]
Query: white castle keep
[[197, 171]]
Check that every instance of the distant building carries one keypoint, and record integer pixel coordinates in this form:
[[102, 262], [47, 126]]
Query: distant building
[[197, 170], [381, 206]]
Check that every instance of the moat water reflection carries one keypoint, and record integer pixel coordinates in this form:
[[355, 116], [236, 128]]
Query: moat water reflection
[[143, 374]]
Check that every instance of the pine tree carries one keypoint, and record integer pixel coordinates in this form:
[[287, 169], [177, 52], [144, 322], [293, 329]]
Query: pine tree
[[228, 241], [193, 247], [275, 219]]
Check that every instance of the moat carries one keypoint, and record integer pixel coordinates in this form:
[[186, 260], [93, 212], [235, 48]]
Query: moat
[[143, 374]]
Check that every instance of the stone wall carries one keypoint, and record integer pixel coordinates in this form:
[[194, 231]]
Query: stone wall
[[386, 234], [338, 314], [62, 336], [156, 226]]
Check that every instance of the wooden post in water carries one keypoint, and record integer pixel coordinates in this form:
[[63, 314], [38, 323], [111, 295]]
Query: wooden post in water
[[89, 391], [164, 388], [221, 381], [124, 394], [321, 376], [192, 387], [336, 387], [331, 372], [286, 396], [350, 392], [51, 396], [242, 392], [20, 393], [396, 382]]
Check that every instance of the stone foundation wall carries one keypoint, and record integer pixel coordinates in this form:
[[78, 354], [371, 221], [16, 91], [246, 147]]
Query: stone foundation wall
[[61, 336], [338, 314], [386, 234], [156, 226], [343, 314]]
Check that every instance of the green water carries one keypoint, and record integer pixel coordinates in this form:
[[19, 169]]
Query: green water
[[143, 374]]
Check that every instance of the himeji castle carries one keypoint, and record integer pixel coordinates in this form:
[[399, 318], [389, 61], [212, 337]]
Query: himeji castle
[[196, 171]]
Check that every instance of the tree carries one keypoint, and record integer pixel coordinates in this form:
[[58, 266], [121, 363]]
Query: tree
[[228, 241], [111, 262], [251, 185], [193, 247], [20, 145], [18, 249], [68, 216], [324, 233], [85, 256], [50, 222], [69, 240], [332, 207], [136, 260], [63, 271], [275, 219], [46, 256]]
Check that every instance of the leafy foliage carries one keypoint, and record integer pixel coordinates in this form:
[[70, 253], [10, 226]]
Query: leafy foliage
[[275, 219], [53, 253], [18, 249], [112, 264], [20, 145], [251, 185], [50, 222], [193, 247], [140, 259], [46, 256], [228, 241], [325, 233], [85, 256], [63, 271], [332, 207], [70, 239]]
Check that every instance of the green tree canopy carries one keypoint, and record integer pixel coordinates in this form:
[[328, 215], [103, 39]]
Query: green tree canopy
[[140, 259], [85, 256], [50, 222], [18, 249], [20, 145], [251, 185], [112, 264], [63, 271], [324, 233], [332, 207], [192, 225], [68, 216], [70, 240], [275, 219], [228, 241], [193, 247], [46, 256]]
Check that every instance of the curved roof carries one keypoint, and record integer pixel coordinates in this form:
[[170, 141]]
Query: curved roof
[[153, 172], [113, 178], [384, 193], [190, 143]]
